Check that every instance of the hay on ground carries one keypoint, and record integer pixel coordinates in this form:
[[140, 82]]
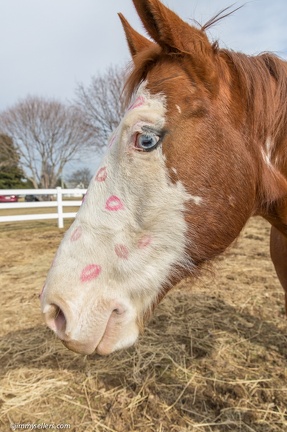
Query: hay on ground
[[212, 359]]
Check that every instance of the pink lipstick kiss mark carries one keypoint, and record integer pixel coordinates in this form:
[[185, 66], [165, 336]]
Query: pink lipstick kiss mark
[[122, 251], [137, 103], [102, 175], [76, 234], [144, 241], [90, 272], [114, 204]]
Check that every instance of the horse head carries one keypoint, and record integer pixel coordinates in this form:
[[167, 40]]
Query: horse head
[[175, 188]]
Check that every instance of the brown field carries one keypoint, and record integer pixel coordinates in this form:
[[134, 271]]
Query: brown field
[[213, 358]]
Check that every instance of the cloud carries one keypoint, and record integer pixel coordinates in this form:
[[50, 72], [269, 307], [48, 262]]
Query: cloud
[[48, 46]]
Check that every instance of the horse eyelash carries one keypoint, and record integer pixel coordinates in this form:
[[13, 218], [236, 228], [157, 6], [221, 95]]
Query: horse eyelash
[[151, 130]]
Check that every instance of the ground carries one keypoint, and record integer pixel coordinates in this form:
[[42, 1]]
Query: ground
[[213, 358]]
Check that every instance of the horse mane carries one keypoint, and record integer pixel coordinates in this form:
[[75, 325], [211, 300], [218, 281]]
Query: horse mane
[[262, 82]]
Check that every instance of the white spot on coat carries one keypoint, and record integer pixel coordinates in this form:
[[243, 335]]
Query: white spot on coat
[[196, 199]]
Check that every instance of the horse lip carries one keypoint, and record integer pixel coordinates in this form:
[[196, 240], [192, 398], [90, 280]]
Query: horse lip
[[79, 347], [89, 342]]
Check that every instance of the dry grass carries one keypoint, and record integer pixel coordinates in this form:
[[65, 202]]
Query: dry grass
[[213, 358]]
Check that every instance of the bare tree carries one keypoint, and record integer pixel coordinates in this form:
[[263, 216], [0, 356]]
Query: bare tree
[[46, 134], [102, 103], [81, 176]]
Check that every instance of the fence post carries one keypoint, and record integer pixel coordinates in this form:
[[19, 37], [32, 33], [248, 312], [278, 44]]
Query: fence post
[[60, 207]]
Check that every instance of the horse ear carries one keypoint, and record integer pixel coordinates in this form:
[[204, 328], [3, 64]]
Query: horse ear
[[168, 29], [135, 40], [174, 35]]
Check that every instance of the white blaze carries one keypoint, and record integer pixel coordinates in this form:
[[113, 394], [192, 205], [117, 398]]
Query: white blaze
[[128, 234]]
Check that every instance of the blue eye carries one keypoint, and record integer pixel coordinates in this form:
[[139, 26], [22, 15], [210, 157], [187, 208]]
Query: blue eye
[[146, 142]]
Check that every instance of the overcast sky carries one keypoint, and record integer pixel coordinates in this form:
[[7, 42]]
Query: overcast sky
[[48, 46]]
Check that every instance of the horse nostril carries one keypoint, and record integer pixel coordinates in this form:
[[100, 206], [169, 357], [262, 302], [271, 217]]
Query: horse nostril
[[60, 320], [56, 320]]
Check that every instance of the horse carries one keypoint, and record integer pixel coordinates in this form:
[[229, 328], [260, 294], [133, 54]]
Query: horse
[[201, 148]]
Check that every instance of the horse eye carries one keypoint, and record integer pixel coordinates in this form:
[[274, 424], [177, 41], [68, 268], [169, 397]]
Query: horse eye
[[146, 142]]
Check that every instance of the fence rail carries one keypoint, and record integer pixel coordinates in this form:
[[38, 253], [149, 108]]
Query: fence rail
[[58, 203]]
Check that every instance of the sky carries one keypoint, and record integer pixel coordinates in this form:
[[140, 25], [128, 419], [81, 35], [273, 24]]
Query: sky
[[48, 47]]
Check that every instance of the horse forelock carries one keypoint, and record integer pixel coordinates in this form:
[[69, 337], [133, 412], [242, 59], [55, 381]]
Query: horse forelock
[[142, 63]]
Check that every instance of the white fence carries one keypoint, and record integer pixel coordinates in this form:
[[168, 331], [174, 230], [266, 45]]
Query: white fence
[[57, 196]]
